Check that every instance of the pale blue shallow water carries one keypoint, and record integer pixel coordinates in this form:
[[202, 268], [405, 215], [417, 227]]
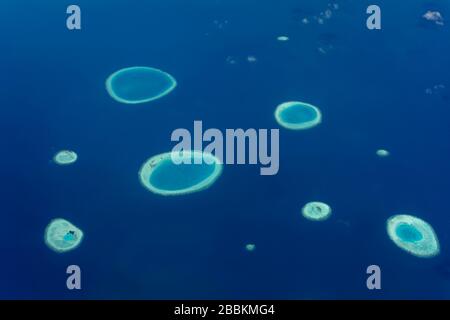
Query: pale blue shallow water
[[169, 176], [371, 89], [408, 233], [298, 114]]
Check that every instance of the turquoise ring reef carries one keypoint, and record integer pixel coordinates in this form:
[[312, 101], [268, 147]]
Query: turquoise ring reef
[[179, 173], [65, 157], [62, 236], [295, 115], [316, 211], [413, 235], [139, 84]]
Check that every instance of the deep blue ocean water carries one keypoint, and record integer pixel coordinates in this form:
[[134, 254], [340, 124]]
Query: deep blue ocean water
[[369, 85]]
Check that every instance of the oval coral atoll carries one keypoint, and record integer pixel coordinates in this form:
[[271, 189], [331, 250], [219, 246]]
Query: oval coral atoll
[[62, 236], [177, 173], [296, 115], [139, 84], [413, 235]]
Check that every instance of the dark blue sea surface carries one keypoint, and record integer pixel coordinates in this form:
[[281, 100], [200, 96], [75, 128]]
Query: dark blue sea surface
[[369, 85]]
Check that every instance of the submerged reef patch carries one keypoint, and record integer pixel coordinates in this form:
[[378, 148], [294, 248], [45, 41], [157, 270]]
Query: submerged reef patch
[[65, 157], [383, 153], [435, 17], [296, 115], [62, 236], [178, 173], [316, 211], [413, 235], [283, 38], [139, 84]]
